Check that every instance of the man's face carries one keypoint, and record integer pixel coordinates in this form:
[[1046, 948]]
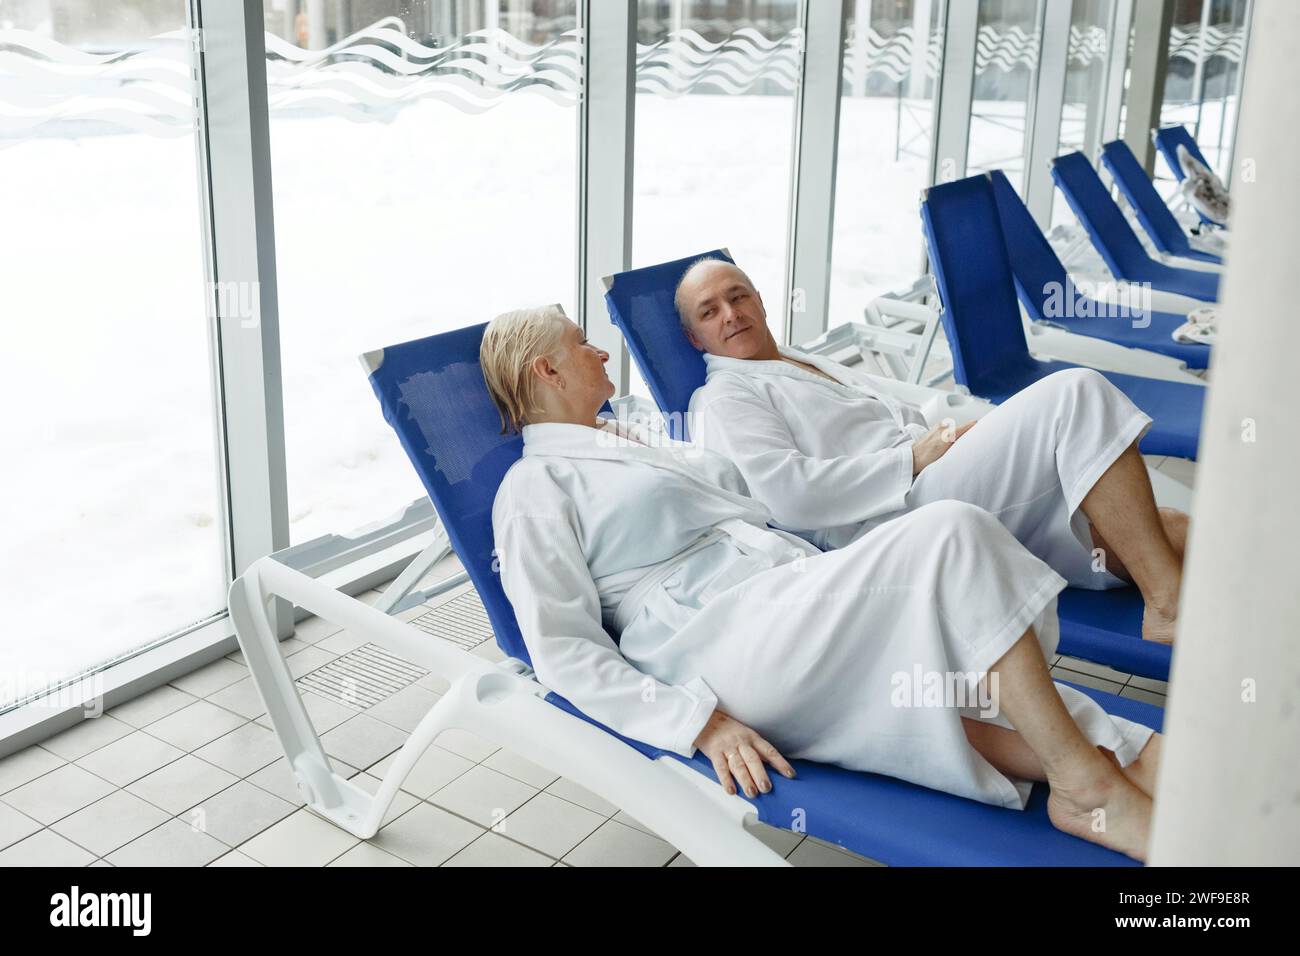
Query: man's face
[[723, 314]]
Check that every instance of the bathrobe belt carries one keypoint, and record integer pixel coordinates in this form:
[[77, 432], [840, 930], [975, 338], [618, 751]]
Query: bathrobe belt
[[773, 548]]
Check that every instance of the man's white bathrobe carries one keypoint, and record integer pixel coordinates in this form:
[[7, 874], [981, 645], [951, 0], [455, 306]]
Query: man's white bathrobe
[[818, 652], [833, 459]]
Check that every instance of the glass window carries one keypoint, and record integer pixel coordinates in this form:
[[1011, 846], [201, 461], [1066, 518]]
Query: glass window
[[1006, 64], [1206, 45], [111, 514], [891, 59], [714, 134], [1084, 104], [424, 165]]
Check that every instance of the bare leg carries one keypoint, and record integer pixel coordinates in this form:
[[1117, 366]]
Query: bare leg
[[1090, 798], [1007, 751], [1175, 523], [1122, 508]]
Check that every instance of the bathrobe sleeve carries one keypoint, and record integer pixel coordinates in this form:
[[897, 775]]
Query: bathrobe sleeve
[[801, 491], [545, 575]]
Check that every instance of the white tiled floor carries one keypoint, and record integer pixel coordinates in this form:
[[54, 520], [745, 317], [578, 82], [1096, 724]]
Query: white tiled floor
[[190, 775]]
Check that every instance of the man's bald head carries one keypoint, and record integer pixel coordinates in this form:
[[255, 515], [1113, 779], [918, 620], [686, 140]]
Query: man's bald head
[[695, 274], [722, 313]]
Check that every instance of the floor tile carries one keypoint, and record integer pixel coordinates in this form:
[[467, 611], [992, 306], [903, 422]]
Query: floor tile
[[405, 709], [25, 766], [1080, 666], [182, 784], [551, 825], [617, 845], [362, 741], [14, 826], [434, 770], [426, 836], [238, 813], [512, 765], [309, 659], [110, 823], [278, 779], [127, 760], [210, 678], [312, 630], [1086, 680], [492, 849], [363, 854], [812, 853], [58, 793], [151, 706], [402, 802], [484, 796], [1150, 697], [290, 645], [87, 736], [1146, 683], [243, 751], [193, 726], [240, 697], [234, 858], [45, 848], [324, 714], [568, 790], [340, 643], [301, 839], [175, 843]]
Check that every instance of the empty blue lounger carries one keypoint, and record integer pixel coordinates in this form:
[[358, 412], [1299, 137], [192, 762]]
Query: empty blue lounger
[[1165, 231], [432, 393], [1101, 626], [982, 322], [1115, 240], [1039, 273]]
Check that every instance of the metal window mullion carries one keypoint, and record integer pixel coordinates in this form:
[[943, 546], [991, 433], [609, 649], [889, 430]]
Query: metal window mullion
[[1121, 25], [812, 173], [956, 89], [1227, 172], [235, 174], [607, 119], [1044, 134]]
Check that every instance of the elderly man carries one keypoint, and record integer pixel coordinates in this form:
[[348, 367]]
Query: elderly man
[[832, 458]]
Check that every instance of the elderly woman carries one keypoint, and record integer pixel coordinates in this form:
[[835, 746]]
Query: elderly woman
[[750, 644]]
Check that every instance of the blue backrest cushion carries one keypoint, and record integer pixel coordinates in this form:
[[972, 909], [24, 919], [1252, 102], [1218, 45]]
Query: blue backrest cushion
[[1033, 260], [1142, 196], [1092, 203]]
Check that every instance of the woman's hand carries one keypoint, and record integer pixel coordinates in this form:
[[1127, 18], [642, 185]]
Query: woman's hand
[[932, 446], [736, 751]]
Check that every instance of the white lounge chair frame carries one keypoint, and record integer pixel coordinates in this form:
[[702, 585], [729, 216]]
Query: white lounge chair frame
[[502, 703]]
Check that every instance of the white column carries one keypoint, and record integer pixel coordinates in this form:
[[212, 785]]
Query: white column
[[1044, 137], [1147, 69], [817, 130], [608, 120], [956, 86], [1229, 787]]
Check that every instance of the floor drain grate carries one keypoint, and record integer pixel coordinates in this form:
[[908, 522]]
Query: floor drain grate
[[362, 678], [462, 621]]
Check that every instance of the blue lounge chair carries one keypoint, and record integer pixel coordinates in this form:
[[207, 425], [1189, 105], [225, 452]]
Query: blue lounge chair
[[982, 322], [1167, 140], [1115, 240], [1101, 626], [1165, 231], [1039, 271]]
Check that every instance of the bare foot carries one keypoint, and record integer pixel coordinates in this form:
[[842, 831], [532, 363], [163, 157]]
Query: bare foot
[[1108, 810], [1157, 625]]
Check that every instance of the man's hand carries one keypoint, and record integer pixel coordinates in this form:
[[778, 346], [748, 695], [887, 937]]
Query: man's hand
[[932, 446], [736, 751]]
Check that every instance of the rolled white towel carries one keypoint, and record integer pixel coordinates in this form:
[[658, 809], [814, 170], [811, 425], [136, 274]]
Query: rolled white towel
[[1201, 327], [1203, 190]]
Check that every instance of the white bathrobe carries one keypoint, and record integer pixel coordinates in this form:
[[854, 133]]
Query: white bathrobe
[[823, 654], [833, 459]]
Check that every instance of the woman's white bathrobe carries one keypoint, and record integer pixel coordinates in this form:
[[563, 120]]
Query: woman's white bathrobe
[[818, 652], [833, 459]]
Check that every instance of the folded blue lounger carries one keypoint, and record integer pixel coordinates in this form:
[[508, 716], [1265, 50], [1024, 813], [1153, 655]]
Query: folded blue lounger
[[982, 322], [432, 393], [1115, 240], [1101, 626], [1039, 271], [1165, 231]]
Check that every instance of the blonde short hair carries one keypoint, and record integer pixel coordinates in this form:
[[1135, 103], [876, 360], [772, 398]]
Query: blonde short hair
[[510, 344]]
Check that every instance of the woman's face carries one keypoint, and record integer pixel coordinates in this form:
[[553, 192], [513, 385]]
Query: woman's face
[[582, 369]]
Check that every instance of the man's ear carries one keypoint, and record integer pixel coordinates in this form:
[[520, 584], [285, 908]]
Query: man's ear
[[690, 337]]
